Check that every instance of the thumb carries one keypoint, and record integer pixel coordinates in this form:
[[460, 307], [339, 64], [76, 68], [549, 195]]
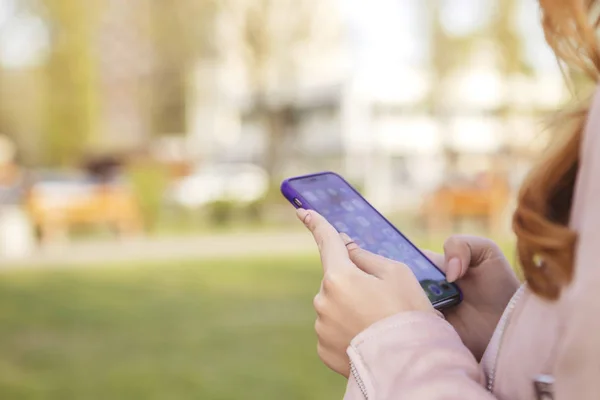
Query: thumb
[[452, 269], [370, 263], [462, 252]]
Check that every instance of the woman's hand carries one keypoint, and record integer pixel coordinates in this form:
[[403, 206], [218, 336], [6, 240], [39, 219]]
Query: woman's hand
[[358, 289], [487, 282]]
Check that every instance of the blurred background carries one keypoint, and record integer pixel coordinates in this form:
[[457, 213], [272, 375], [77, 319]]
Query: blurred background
[[145, 250]]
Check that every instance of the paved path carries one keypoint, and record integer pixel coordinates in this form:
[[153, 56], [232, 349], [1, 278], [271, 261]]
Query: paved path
[[164, 249]]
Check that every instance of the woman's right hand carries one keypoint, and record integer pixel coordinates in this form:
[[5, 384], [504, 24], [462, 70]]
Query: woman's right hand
[[487, 281]]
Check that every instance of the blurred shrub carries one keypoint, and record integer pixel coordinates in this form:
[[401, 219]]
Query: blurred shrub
[[274, 196], [221, 212], [254, 212], [149, 181], [259, 210]]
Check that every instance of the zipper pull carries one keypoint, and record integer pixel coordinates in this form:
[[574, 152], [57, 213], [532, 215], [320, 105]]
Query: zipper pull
[[544, 387]]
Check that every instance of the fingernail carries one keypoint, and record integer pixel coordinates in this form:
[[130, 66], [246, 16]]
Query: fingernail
[[303, 215], [454, 268]]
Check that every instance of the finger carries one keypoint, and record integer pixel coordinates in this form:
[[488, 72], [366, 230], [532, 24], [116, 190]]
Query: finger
[[457, 257], [331, 247], [451, 270], [462, 252], [370, 263]]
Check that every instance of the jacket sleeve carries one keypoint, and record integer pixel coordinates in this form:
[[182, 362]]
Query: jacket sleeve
[[413, 356], [577, 365]]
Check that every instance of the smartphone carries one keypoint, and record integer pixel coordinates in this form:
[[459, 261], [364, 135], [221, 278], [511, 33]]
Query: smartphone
[[335, 199]]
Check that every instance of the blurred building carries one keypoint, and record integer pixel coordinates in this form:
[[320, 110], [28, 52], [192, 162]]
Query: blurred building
[[124, 72], [363, 107]]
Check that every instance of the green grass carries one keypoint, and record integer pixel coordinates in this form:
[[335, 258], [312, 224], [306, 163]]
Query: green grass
[[223, 329], [193, 330]]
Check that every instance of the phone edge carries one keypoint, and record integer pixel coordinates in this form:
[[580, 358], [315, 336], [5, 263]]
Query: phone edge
[[290, 194]]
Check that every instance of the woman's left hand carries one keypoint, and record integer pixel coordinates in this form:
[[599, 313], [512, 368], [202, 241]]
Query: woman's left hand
[[358, 289]]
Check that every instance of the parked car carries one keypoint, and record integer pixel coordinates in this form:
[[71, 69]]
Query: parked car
[[238, 183]]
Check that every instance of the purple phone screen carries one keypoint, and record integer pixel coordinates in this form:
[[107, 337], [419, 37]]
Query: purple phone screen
[[345, 209]]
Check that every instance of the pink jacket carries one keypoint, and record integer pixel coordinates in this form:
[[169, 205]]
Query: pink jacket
[[420, 356]]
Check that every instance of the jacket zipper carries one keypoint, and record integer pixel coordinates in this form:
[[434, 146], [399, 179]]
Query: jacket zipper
[[502, 326], [359, 381]]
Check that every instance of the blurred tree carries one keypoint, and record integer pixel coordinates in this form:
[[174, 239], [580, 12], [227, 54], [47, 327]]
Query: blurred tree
[[23, 120], [509, 42], [71, 76], [149, 180], [98, 76], [273, 35], [449, 53], [182, 32], [4, 124], [508, 39], [21, 78], [125, 64]]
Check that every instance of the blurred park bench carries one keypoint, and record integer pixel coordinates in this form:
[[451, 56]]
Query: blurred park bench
[[484, 199], [57, 205]]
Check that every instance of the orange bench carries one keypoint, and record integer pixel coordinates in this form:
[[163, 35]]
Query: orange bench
[[449, 204], [54, 210]]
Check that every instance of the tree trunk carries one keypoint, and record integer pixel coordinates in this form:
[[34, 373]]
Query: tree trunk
[[440, 64], [71, 93], [276, 122]]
